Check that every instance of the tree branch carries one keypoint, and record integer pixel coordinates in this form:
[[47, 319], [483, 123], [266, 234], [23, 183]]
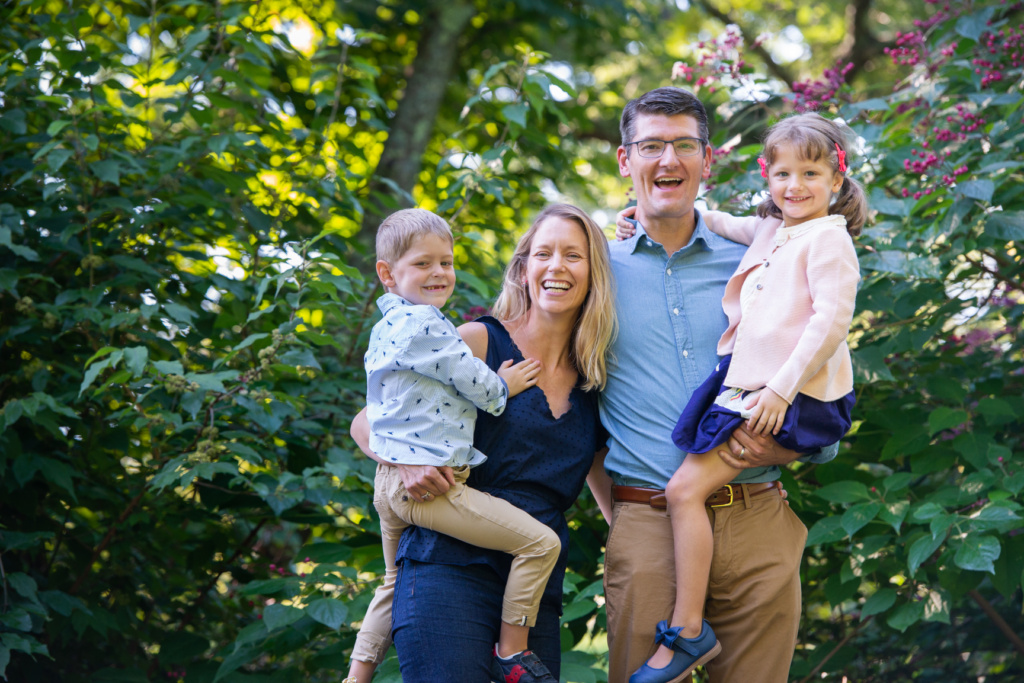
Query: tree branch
[[998, 620]]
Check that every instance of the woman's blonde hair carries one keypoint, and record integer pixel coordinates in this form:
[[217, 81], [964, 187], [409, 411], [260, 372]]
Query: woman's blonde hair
[[596, 326], [818, 139]]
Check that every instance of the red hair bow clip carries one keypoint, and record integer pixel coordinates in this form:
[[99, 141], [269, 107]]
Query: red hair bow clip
[[842, 158], [764, 167]]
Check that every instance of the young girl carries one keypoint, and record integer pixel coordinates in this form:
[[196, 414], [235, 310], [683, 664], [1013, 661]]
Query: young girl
[[785, 367]]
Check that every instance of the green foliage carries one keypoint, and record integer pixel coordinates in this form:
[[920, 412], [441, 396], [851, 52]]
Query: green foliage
[[183, 321], [185, 299], [915, 543]]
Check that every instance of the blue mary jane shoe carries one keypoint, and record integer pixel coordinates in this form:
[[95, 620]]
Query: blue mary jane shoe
[[688, 654]]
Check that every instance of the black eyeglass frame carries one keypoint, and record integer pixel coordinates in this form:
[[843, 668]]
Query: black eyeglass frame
[[666, 143]]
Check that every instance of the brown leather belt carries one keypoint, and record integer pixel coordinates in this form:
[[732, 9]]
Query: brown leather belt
[[723, 497]]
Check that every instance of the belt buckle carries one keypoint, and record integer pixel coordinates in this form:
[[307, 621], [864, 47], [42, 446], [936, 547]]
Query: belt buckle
[[731, 498]]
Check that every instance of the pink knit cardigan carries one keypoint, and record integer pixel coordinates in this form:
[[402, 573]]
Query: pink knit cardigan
[[793, 338]]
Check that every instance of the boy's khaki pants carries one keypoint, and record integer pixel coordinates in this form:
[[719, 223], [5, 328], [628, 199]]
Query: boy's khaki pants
[[468, 515]]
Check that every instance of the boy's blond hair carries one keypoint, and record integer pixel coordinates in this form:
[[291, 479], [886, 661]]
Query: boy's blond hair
[[398, 231]]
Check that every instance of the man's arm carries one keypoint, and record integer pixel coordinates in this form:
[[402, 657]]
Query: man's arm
[[418, 479]]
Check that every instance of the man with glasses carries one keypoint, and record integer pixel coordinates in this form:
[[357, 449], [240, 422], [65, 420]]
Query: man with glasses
[[670, 277]]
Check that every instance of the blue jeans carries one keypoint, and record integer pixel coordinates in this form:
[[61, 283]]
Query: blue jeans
[[446, 620]]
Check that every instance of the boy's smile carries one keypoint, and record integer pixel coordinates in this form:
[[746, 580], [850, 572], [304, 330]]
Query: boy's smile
[[424, 274]]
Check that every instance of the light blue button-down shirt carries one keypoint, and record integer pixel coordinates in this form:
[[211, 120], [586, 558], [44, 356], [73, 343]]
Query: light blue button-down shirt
[[423, 386], [670, 319]]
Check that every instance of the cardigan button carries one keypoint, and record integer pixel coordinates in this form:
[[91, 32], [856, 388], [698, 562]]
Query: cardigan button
[[760, 286]]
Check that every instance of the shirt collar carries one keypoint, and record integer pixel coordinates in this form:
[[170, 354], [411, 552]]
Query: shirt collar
[[700, 232], [389, 301]]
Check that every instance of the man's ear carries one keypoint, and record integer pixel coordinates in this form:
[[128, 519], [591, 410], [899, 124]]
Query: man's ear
[[709, 154], [384, 273], [622, 155]]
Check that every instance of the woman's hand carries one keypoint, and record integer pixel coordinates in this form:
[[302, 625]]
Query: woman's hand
[[423, 482], [521, 376], [623, 228]]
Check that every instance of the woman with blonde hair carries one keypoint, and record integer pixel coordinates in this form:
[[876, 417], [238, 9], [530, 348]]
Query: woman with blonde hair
[[556, 306]]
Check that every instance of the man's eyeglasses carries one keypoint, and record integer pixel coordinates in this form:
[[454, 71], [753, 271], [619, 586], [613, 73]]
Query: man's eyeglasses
[[684, 147]]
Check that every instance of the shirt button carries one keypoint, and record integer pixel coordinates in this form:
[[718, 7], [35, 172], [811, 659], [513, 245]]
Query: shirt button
[[668, 272], [766, 264], [650, 243], [760, 286], [675, 311], [686, 354]]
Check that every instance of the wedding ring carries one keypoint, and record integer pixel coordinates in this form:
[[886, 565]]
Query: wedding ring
[[427, 496], [743, 450]]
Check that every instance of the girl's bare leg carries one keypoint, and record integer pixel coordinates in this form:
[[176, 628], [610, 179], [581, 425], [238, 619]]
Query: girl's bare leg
[[700, 475]]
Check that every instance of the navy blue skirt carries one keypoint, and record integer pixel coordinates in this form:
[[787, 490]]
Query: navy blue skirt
[[809, 425]]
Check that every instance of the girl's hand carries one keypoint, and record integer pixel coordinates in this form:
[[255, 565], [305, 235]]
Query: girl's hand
[[521, 376], [769, 410], [623, 228]]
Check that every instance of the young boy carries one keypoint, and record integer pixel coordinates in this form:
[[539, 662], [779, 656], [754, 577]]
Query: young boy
[[423, 386]]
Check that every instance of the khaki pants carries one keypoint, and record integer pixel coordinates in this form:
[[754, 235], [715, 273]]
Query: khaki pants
[[753, 601], [468, 515]]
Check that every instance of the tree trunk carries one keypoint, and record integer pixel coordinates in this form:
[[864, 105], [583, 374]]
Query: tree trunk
[[414, 119]]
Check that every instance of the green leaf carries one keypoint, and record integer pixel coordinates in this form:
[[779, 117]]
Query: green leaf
[[57, 157], [169, 367], [974, 24], [135, 358], [869, 366], [280, 616], [936, 606], [982, 190], [826, 530], [180, 314], [328, 611], [858, 516], [906, 615], [943, 418], [881, 601], [844, 492], [894, 513], [24, 252], [922, 549], [213, 381], [1005, 225], [516, 113], [24, 585], [897, 481], [577, 609], [108, 171], [977, 553]]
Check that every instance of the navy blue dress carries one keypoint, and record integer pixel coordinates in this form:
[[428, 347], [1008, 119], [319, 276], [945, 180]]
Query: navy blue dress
[[448, 595]]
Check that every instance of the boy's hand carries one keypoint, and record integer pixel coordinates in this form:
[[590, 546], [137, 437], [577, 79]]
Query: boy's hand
[[623, 228], [521, 376], [769, 409]]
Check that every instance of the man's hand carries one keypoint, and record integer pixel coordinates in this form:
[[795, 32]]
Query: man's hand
[[745, 449], [521, 376], [423, 482]]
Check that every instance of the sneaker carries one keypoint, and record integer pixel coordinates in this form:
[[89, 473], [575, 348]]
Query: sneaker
[[689, 653], [524, 667]]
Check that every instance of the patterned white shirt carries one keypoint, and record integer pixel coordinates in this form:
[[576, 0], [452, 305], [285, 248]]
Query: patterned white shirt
[[423, 386]]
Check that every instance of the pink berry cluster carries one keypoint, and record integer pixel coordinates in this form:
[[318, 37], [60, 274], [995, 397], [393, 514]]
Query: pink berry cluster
[[1004, 48], [816, 94], [717, 60], [910, 49]]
